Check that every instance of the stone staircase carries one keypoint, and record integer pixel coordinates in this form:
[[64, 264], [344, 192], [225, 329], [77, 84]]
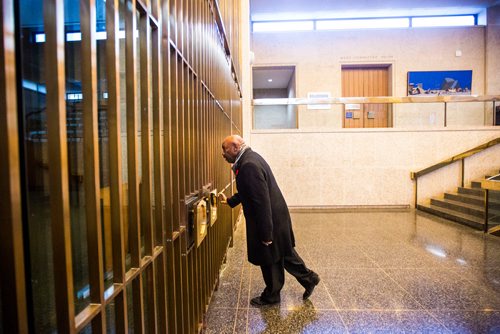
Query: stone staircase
[[466, 206]]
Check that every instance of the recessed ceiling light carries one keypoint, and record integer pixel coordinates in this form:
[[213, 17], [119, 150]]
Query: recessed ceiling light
[[269, 80]]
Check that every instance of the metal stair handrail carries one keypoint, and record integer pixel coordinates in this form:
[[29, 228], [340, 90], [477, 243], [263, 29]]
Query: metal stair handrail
[[459, 157]]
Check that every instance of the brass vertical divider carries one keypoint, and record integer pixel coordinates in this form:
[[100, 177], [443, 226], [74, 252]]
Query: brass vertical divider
[[209, 242], [181, 269], [201, 179], [197, 155], [174, 143], [209, 166], [146, 187], [163, 162], [168, 237], [133, 166], [192, 292], [115, 163], [91, 168], [213, 136], [195, 179], [190, 189], [209, 37], [146, 205], [190, 163], [159, 224], [195, 158], [185, 30], [213, 176], [13, 283], [180, 286], [214, 173], [186, 306], [181, 128], [176, 115], [192, 132], [171, 179], [155, 9], [172, 20], [185, 46], [184, 183], [203, 152], [195, 152], [186, 90], [189, 140], [58, 172], [178, 25], [202, 73], [132, 146]]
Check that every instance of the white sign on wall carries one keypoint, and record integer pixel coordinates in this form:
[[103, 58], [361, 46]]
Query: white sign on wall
[[318, 95], [352, 106]]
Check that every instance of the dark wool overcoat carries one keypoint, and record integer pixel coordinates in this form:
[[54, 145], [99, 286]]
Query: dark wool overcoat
[[266, 213]]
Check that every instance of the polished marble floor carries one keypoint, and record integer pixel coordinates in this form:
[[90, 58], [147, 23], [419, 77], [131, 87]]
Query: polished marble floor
[[381, 272]]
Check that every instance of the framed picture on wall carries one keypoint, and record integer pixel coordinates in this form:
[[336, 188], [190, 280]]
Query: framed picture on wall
[[433, 83]]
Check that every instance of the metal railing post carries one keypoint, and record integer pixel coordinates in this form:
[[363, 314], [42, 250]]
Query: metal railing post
[[494, 113], [486, 195], [445, 112], [416, 192], [463, 172]]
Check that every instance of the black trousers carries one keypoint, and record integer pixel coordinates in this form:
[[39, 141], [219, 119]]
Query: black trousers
[[274, 275]]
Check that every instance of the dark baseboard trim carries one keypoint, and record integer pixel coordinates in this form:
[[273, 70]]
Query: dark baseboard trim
[[349, 208]]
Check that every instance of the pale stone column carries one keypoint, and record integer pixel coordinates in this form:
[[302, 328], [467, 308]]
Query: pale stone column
[[492, 67], [246, 70]]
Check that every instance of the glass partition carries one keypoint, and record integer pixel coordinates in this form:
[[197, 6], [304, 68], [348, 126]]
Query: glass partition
[[87, 157], [36, 163], [403, 112], [75, 138]]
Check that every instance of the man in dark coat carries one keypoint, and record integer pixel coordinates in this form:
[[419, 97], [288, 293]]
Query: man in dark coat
[[270, 240]]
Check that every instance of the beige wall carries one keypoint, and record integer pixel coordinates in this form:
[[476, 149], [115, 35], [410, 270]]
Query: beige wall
[[493, 51], [370, 167], [319, 55], [321, 164], [246, 70]]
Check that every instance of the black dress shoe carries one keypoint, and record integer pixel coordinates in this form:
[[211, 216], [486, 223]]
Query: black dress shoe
[[258, 301], [309, 290]]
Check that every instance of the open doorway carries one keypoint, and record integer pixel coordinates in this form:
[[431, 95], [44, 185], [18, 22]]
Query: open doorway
[[274, 82]]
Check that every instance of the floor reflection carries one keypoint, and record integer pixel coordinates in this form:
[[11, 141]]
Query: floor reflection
[[387, 272], [293, 320]]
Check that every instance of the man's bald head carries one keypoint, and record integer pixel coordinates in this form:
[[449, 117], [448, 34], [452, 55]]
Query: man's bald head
[[231, 147], [233, 140]]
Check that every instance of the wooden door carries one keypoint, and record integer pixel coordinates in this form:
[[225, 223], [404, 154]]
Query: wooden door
[[365, 81]]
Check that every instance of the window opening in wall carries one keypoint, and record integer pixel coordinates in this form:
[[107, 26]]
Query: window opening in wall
[[443, 21], [366, 23], [283, 26], [274, 82], [385, 23]]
